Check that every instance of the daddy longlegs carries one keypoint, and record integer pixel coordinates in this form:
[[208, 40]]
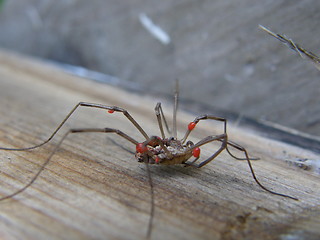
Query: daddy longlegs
[[154, 150]]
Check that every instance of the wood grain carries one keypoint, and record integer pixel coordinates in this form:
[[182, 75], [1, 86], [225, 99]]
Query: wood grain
[[94, 188]]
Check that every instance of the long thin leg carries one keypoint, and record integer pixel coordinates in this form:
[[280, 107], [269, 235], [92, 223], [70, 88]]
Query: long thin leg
[[85, 104], [152, 203], [80, 130], [175, 109], [253, 174], [204, 117], [104, 130], [160, 116], [232, 155], [207, 117], [223, 138]]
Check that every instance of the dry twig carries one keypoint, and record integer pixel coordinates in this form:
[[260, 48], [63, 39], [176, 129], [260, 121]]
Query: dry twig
[[295, 47]]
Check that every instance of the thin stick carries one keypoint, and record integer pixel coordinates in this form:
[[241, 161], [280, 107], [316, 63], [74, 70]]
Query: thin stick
[[295, 47]]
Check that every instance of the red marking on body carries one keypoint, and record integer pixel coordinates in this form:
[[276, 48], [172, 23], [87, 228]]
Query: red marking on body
[[111, 111], [157, 159], [191, 126], [196, 152], [141, 148]]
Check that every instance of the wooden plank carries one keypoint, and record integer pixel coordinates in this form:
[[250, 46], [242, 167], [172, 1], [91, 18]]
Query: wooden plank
[[94, 189]]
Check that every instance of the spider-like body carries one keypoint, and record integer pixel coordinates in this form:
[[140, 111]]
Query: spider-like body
[[168, 151]]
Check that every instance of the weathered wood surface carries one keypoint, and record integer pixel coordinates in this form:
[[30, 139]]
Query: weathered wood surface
[[94, 189]]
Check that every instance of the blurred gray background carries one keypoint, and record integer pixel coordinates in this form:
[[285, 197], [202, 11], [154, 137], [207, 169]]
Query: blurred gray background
[[214, 48]]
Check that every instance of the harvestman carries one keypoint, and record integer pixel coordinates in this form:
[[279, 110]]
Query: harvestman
[[154, 150]]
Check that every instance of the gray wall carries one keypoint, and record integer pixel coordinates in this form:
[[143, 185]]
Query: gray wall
[[216, 51]]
